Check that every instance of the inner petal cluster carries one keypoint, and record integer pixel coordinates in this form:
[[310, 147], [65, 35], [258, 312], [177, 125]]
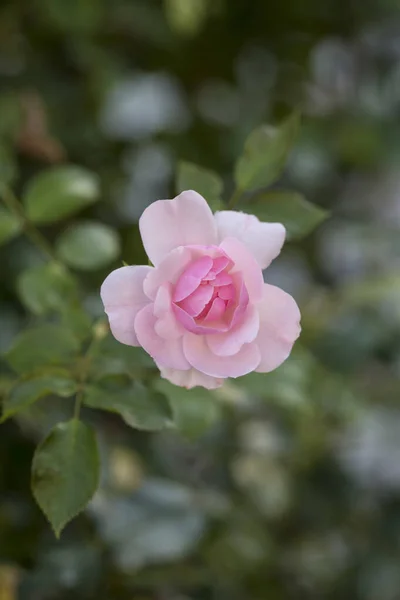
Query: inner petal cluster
[[209, 296]]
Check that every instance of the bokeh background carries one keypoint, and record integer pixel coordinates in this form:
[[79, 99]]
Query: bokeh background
[[284, 486]]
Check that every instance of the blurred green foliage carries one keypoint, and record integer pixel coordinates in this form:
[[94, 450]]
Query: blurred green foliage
[[274, 487]]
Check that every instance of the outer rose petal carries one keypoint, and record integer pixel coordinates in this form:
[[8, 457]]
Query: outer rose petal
[[166, 352], [203, 359], [246, 264], [229, 343], [264, 240], [191, 378], [168, 271], [167, 224], [123, 297], [166, 325], [279, 327]]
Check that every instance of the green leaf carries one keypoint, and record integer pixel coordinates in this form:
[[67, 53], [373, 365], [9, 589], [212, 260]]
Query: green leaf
[[25, 393], [11, 116], [46, 288], [195, 411], [47, 345], [60, 192], [77, 321], [8, 167], [265, 154], [139, 407], [75, 18], [186, 17], [88, 246], [205, 182], [10, 226], [299, 216], [65, 472], [109, 357]]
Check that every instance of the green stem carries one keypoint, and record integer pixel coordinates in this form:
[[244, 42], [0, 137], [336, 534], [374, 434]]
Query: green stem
[[78, 403], [30, 230], [84, 365], [235, 198]]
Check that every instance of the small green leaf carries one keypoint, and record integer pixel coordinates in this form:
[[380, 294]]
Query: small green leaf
[[299, 216], [46, 288], [25, 393], [65, 472], [265, 154], [195, 411], [88, 246], [10, 226], [47, 345], [205, 182], [60, 192], [139, 407]]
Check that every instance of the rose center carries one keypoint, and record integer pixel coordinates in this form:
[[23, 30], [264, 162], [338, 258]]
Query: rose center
[[207, 294]]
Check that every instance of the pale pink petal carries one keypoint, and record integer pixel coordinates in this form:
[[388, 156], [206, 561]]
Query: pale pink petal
[[189, 323], [237, 309], [216, 311], [264, 240], [168, 271], [167, 326], [167, 353], [229, 343], [246, 264], [279, 327], [202, 358], [222, 279], [167, 224], [191, 278], [227, 292], [191, 378], [196, 302], [123, 296], [219, 264]]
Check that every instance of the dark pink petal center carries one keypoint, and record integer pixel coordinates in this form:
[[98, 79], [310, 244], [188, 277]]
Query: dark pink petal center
[[207, 298]]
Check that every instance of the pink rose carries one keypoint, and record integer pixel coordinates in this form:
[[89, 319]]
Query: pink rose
[[203, 312]]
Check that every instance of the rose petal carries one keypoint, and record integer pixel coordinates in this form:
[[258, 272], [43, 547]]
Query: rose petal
[[167, 224], [123, 297], [168, 271], [191, 378], [191, 278], [237, 308], [216, 311], [226, 292], [229, 343], [202, 358], [190, 324], [279, 327], [222, 279], [196, 302], [246, 264], [167, 353], [220, 263], [166, 326], [264, 240]]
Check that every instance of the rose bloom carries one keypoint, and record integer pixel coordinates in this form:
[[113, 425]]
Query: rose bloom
[[203, 312]]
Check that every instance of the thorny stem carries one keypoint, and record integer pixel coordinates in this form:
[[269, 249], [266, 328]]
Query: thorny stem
[[30, 230]]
